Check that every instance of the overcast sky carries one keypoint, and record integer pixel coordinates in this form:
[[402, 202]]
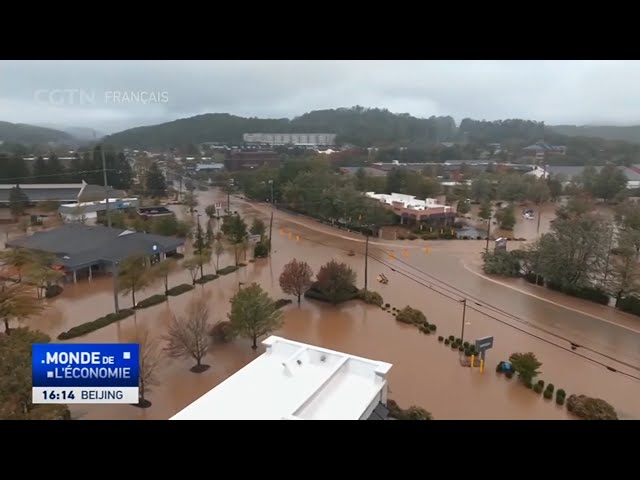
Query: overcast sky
[[115, 95]]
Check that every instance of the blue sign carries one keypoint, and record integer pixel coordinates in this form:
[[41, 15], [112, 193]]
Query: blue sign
[[85, 372]]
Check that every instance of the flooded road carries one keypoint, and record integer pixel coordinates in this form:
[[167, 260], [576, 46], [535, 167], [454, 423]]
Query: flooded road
[[425, 372]]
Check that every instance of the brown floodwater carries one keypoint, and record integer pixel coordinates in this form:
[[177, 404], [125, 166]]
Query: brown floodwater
[[425, 372]]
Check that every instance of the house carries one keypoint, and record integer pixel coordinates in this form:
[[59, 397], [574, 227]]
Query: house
[[297, 381], [540, 150], [82, 251]]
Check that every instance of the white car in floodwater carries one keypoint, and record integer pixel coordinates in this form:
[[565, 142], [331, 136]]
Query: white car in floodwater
[[529, 214]]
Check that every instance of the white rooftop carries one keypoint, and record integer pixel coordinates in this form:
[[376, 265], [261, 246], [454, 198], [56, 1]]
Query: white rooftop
[[295, 381], [408, 201]]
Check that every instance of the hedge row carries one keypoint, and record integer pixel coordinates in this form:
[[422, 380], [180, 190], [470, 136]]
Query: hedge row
[[227, 270], [206, 278], [630, 305], [153, 300], [587, 293], [97, 324], [370, 297], [179, 289]]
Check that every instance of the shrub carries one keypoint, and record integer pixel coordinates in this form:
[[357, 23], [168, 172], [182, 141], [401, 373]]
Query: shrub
[[472, 348], [461, 348], [446, 341], [432, 327], [466, 344], [282, 302], [411, 315], [261, 250], [394, 314], [440, 338], [541, 383], [401, 237], [242, 265], [529, 385], [550, 387], [222, 332], [96, 324], [499, 367], [179, 289], [459, 340], [424, 329], [537, 388], [629, 304], [53, 291], [589, 408], [559, 400], [501, 262], [467, 353], [454, 345], [587, 293], [548, 394], [227, 270], [451, 338], [206, 278], [560, 393], [411, 413], [509, 375], [388, 305], [370, 297], [153, 300], [411, 236]]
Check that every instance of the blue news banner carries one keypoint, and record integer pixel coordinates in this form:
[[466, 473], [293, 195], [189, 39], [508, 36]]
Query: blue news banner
[[85, 372]]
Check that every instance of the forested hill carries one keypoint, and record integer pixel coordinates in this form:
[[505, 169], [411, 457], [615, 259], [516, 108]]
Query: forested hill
[[357, 125], [627, 134], [20, 133]]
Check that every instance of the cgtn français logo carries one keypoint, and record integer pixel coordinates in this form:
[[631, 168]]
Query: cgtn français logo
[[85, 373], [79, 96]]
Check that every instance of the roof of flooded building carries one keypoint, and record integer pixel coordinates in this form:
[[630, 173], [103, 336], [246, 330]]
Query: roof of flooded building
[[295, 381], [78, 245]]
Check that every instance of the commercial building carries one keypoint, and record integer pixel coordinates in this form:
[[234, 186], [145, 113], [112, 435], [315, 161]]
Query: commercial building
[[82, 251], [301, 139], [243, 160], [87, 212], [413, 210], [60, 192], [297, 381]]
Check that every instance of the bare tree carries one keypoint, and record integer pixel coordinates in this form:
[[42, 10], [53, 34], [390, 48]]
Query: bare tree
[[150, 359], [189, 336], [218, 249], [192, 264], [17, 302], [295, 278]]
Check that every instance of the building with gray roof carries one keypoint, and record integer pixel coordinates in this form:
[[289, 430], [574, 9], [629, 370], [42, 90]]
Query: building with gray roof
[[81, 250]]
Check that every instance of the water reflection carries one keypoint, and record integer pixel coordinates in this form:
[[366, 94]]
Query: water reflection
[[425, 372]]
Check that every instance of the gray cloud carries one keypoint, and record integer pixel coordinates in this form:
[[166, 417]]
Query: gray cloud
[[108, 95]]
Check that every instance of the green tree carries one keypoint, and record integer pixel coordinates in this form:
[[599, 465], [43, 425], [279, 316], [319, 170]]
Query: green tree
[[218, 249], [462, 207], [163, 269], [555, 188], [296, 278], [257, 227], [235, 228], [18, 259], [16, 379], [253, 313], [336, 281], [18, 201], [538, 191], [625, 278], [481, 189], [485, 210], [526, 365], [43, 277], [507, 218], [155, 184], [609, 182], [190, 200], [40, 171], [17, 302], [133, 276], [397, 180]]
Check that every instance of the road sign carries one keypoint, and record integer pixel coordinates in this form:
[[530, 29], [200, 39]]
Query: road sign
[[484, 343]]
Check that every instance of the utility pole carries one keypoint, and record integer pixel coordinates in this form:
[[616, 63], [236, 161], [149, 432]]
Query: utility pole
[[271, 219], [229, 197], [464, 313], [200, 244], [106, 187], [115, 287], [366, 261], [488, 233]]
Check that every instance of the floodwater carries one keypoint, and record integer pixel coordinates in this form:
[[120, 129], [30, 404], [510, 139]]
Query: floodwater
[[425, 372]]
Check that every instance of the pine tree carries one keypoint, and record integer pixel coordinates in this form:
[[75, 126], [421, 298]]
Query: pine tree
[[155, 185]]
